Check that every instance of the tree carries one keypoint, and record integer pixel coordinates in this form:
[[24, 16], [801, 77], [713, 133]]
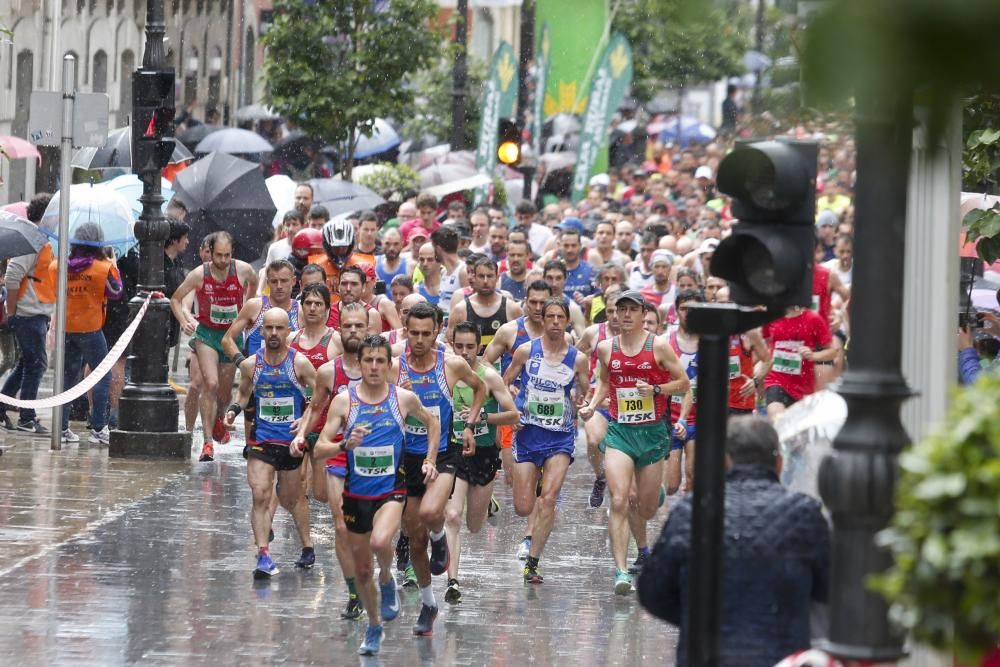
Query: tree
[[333, 67], [431, 110], [677, 45]]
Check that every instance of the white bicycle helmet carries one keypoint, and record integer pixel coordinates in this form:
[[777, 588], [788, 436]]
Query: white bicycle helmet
[[338, 238]]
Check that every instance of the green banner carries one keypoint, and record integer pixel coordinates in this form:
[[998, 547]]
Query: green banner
[[607, 90], [542, 62], [498, 102]]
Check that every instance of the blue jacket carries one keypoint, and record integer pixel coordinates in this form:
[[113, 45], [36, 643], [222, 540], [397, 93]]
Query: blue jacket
[[969, 366], [776, 563]]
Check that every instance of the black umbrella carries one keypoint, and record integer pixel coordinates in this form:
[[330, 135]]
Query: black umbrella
[[18, 236], [224, 193], [117, 152], [343, 196], [193, 136], [296, 148]]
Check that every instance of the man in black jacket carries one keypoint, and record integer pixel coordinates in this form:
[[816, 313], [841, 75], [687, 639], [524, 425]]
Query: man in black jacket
[[776, 559]]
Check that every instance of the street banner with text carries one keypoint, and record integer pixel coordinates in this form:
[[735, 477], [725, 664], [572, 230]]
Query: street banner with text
[[498, 102], [607, 90]]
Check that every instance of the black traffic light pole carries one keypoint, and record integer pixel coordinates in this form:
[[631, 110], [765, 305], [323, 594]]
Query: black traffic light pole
[[459, 81], [714, 323], [148, 409]]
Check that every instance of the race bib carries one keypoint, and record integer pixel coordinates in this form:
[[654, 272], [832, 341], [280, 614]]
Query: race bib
[[815, 303], [278, 410], [633, 408], [545, 409], [734, 366], [678, 398], [479, 429], [787, 361], [414, 426], [375, 461], [223, 314]]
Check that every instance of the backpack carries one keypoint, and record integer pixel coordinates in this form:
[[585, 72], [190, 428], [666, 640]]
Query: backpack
[[44, 280]]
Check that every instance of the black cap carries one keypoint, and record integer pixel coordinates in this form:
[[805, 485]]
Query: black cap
[[632, 295]]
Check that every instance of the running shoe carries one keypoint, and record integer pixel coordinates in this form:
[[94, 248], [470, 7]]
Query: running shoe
[[373, 641], [102, 437], [440, 557], [265, 567], [597, 493], [68, 437], [409, 576], [307, 559], [623, 582], [33, 427], [524, 548], [492, 514], [637, 566], [402, 552], [425, 622], [454, 594], [353, 611], [207, 452], [390, 600], [531, 575]]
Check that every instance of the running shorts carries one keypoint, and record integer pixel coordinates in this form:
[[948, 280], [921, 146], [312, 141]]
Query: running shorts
[[505, 437], [645, 444], [535, 445], [213, 338], [412, 464], [775, 394], [276, 456], [359, 513], [479, 469]]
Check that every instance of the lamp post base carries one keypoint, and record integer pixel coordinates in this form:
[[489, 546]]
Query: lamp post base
[[148, 445]]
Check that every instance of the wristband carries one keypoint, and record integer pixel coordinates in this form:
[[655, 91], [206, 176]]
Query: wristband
[[235, 409], [239, 358], [431, 463]]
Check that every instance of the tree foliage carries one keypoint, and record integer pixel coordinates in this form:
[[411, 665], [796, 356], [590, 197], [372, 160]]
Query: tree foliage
[[678, 44], [431, 110], [333, 67]]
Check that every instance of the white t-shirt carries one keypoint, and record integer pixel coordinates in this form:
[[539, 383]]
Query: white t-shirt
[[538, 236], [280, 249], [845, 276]]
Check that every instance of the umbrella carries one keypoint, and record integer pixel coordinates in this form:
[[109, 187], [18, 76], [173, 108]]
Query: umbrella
[[130, 187], [93, 203], [16, 148], [439, 174], [19, 209], [295, 148], [421, 158], [691, 129], [117, 152], [383, 138], [474, 181], [343, 196], [225, 193], [18, 236], [234, 141], [193, 135], [467, 158], [282, 191], [256, 111], [561, 123], [556, 161]]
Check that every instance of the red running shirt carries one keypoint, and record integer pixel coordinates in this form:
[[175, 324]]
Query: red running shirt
[[219, 302], [797, 376], [821, 293], [625, 405], [740, 368]]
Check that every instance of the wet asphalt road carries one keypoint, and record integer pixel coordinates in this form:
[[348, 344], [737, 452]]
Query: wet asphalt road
[[108, 562]]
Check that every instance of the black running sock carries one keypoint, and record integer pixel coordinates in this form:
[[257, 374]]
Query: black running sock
[[532, 562], [307, 550]]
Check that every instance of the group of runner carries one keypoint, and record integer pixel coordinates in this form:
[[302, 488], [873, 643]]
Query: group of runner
[[398, 412]]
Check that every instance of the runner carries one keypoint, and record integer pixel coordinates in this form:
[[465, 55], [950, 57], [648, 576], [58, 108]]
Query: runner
[[430, 268], [515, 278], [554, 273], [390, 264], [476, 471], [454, 275], [797, 342], [683, 408], [372, 415], [279, 379], [352, 285], [637, 367], [485, 308], [549, 369], [220, 286], [431, 373]]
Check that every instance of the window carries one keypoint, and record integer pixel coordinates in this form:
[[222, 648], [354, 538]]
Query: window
[[125, 87], [100, 79]]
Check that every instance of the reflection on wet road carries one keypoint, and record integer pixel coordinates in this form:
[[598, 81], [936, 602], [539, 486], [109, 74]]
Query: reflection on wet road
[[110, 562]]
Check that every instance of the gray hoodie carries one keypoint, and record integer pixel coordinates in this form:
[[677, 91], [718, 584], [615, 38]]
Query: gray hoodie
[[28, 304]]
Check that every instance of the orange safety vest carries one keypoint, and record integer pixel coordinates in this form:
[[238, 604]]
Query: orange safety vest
[[85, 295]]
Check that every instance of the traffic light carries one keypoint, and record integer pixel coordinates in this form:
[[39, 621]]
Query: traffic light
[[152, 119], [509, 143], [768, 258]]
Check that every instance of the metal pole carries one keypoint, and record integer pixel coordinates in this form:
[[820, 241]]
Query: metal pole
[[759, 46], [66, 178], [705, 582], [857, 480], [524, 60], [459, 80]]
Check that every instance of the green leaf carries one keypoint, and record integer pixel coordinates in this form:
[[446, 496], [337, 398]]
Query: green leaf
[[940, 486]]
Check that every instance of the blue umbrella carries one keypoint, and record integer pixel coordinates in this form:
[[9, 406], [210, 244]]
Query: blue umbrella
[[691, 129], [130, 187], [383, 138], [93, 203]]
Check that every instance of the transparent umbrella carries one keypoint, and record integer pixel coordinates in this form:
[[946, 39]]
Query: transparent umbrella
[[130, 187], [93, 203]]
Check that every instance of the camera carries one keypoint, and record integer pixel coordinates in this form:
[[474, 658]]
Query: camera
[[970, 268]]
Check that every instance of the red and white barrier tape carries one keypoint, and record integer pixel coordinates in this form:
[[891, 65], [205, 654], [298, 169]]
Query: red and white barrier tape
[[96, 374]]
